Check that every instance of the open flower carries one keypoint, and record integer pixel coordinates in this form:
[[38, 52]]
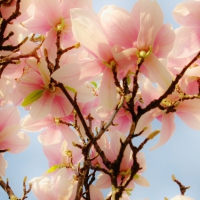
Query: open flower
[[51, 16], [140, 33], [111, 150]]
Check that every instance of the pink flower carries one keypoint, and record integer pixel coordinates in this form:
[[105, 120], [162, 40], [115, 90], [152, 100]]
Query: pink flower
[[111, 150], [53, 15], [93, 39], [11, 138], [189, 83], [142, 31], [58, 187], [47, 98], [52, 129], [188, 111], [25, 9], [188, 35]]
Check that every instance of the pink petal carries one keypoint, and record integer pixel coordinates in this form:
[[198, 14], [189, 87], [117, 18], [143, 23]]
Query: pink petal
[[41, 107], [74, 4], [187, 41], [164, 41], [141, 181], [43, 188], [149, 22], [50, 10], [61, 107], [118, 25], [195, 71], [100, 113], [10, 117], [107, 92], [37, 24], [168, 127], [17, 143], [29, 124], [85, 93], [147, 96], [190, 119], [124, 58], [3, 165], [157, 72], [50, 45], [9, 132], [76, 74], [190, 106], [187, 13], [50, 136], [89, 33], [52, 152], [95, 193], [103, 181]]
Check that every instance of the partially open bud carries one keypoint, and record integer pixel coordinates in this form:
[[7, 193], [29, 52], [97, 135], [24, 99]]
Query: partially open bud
[[173, 177], [153, 134]]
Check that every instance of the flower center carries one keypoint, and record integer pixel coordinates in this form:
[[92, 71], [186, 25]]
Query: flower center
[[61, 25]]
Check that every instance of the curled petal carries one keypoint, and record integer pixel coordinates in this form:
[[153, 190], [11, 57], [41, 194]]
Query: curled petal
[[187, 13]]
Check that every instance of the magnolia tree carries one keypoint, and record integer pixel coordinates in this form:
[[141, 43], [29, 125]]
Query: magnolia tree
[[95, 83]]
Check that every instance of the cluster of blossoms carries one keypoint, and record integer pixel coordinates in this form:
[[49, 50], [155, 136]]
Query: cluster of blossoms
[[92, 83]]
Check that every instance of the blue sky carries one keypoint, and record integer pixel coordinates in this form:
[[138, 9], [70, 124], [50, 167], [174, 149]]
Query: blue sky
[[179, 156]]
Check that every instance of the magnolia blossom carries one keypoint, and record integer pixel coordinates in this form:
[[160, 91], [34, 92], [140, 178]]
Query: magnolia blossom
[[187, 110], [189, 84], [58, 187], [140, 32], [51, 16], [53, 129], [187, 41], [42, 96], [115, 65], [11, 139], [111, 150]]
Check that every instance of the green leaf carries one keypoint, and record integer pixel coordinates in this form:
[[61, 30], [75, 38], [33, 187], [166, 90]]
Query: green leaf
[[70, 89], [94, 83], [33, 96], [136, 176], [53, 168], [128, 80]]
